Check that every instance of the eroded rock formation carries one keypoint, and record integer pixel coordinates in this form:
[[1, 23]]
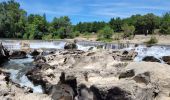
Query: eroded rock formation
[[4, 54], [101, 75]]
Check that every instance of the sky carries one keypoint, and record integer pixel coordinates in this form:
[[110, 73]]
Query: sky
[[93, 10]]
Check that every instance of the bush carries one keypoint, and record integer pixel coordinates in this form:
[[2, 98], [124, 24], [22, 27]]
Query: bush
[[117, 36], [128, 31], [104, 40], [47, 37], [153, 40], [105, 34]]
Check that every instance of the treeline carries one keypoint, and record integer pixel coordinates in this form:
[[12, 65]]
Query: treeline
[[15, 23]]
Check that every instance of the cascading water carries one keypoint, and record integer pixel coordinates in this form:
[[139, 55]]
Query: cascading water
[[18, 69], [47, 45], [85, 48], [155, 51]]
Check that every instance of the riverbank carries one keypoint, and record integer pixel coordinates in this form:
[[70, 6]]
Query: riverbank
[[163, 40], [138, 39]]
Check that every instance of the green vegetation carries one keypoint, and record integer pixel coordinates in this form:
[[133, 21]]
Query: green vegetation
[[128, 31], [105, 34], [15, 23], [165, 24], [153, 40]]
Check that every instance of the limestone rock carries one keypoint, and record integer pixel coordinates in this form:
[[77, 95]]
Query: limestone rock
[[4, 54], [166, 59], [70, 45], [18, 55]]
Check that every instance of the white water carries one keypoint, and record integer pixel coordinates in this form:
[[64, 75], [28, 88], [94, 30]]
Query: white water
[[35, 45], [85, 48], [18, 69], [47, 45], [156, 51]]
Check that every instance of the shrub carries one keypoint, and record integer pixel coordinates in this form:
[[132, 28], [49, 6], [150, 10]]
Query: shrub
[[153, 40], [128, 31], [47, 37], [105, 34]]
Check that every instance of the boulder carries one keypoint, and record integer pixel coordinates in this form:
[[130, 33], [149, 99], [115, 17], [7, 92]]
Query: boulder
[[18, 55], [70, 45], [142, 78], [127, 74], [166, 59], [150, 59], [36, 53], [4, 54], [128, 55], [111, 93]]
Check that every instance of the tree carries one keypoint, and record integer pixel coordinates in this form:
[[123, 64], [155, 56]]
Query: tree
[[165, 24], [12, 19], [62, 27], [146, 24], [116, 24], [36, 27], [128, 30], [105, 33]]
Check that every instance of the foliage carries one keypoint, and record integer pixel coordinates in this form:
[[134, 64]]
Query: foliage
[[61, 27], [105, 34], [116, 24], [153, 40], [165, 24], [47, 37], [15, 23], [89, 27], [128, 30], [12, 19]]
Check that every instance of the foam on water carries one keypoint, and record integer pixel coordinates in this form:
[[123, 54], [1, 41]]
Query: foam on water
[[47, 45], [156, 51], [85, 48], [18, 69]]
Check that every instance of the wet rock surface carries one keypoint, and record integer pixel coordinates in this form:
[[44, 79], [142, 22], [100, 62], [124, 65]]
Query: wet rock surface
[[92, 75], [18, 55], [4, 54], [150, 59], [70, 45], [166, 59], [13, 91], [100, 75]]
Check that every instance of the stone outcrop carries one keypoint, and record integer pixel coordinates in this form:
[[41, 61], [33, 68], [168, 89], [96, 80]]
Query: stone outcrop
[[18, 55], [13, 91], [4, 54], [35, 52], [150, 59], [98, 75], [70, 45], [166, 59]]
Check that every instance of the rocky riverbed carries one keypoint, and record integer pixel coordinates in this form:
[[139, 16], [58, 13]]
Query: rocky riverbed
[[133, 73]]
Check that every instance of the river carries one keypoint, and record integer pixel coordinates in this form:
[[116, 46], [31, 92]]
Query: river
[[19, 67]]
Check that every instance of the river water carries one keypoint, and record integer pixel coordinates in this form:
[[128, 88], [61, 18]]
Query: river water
[[19, 67]]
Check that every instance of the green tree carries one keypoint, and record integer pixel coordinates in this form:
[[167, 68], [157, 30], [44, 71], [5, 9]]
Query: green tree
[[12, 19], [128, 30], [116, 24], [105, 34], [165, 24], [36, 27], [62, 27]]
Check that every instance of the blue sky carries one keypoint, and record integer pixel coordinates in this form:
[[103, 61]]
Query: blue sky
[[94, 10]]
